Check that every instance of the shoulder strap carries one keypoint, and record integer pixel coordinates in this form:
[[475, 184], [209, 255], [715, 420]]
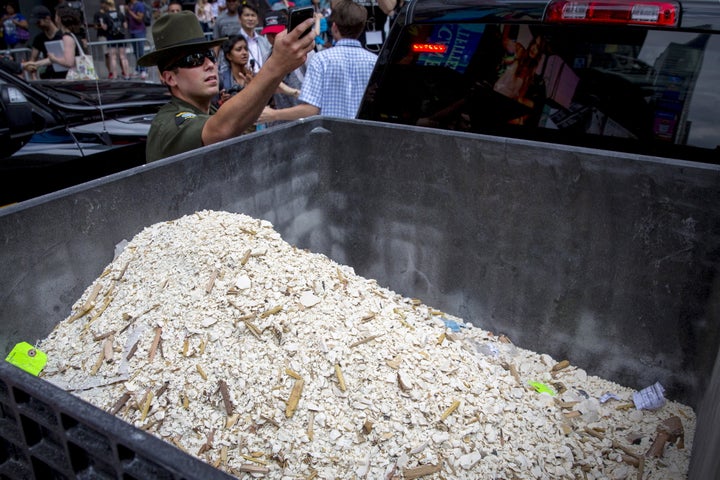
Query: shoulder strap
[[77, 44]]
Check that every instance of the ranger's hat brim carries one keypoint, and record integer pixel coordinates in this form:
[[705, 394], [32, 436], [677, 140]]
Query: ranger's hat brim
[[174, 33]]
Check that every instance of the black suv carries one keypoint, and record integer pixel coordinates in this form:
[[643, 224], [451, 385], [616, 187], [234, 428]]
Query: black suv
[[632, 76], [56, 133]]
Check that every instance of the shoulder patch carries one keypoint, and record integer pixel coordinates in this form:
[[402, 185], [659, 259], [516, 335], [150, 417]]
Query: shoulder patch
[[180, 117]]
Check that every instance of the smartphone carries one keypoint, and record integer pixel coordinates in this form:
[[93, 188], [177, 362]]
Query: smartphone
[[299, 15]]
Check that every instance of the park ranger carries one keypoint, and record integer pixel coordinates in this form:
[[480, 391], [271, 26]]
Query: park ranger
[[188, 66]]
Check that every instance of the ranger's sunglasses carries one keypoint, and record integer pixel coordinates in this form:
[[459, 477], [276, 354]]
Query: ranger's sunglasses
[[193, 60]]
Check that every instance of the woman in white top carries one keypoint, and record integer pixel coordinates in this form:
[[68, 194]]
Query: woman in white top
[[203, 11]]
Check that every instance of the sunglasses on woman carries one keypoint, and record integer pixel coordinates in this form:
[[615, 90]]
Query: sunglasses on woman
[[192, 60]]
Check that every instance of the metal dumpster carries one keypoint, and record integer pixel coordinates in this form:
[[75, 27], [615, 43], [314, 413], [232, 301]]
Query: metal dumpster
[[606, 259]]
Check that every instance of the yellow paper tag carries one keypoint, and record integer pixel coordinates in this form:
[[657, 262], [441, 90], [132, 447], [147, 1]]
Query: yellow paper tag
[[25, 356]]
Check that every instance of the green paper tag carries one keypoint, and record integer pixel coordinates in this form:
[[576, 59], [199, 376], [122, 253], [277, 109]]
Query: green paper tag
[[25, 356], [542, 388]]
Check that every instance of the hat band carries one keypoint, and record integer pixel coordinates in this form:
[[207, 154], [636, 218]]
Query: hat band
[[184, 43]]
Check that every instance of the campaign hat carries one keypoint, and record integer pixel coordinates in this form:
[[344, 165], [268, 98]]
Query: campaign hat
[[174, 33]]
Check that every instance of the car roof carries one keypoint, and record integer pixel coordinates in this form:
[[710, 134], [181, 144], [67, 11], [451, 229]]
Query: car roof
[[84, 95], [112, 93], [695, 14]]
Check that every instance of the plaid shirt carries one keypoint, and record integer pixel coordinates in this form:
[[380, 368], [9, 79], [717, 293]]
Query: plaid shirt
[[336, 78]]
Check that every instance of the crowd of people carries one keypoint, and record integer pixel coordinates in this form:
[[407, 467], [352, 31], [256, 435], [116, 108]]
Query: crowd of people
[[231, 66], [130, 20]]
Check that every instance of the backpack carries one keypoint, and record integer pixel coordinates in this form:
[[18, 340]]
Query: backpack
[[116, 24], [147, 18]]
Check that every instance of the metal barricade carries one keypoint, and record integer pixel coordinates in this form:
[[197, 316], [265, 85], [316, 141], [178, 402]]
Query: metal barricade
[[98, 53]]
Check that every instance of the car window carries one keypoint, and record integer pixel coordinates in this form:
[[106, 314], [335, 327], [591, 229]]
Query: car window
[[634, 89]]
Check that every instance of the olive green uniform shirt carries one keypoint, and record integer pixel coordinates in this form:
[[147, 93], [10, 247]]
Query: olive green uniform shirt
[[176, 128]]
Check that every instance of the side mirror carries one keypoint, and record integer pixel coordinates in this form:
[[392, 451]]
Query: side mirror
[[17, 123]]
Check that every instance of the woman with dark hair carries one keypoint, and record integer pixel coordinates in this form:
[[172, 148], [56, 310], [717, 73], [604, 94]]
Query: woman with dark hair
[[68, 20], [235, 50], [239, 73]]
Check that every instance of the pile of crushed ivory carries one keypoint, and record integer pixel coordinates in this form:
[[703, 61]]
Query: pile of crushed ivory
[[217, 336]]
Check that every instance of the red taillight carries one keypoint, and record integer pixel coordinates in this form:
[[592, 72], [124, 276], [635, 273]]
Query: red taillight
[[429, 48], [661, 14]]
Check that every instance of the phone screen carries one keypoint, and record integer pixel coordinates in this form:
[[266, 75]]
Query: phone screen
[[299, 15]]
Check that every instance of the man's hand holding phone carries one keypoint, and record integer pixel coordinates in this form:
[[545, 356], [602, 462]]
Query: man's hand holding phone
[[290, 48], [300, 15]]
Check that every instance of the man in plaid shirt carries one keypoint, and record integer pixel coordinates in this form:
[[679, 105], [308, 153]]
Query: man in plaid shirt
[[336, 77]]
